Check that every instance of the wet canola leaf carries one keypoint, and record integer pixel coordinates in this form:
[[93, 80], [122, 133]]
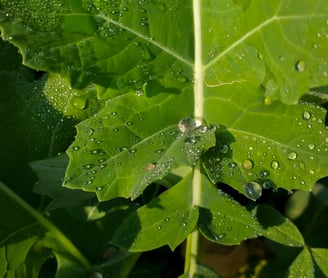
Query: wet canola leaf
[[114, 155]]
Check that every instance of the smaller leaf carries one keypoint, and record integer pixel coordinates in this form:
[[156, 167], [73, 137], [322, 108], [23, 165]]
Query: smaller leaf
[[302, 266], [119, 263], [320, 256], [297, 203], [51, 173], [165, 220], [278, 228], [222, 219]]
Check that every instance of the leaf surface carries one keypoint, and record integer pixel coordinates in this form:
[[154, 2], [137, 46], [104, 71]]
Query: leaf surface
[[165, 220], [302, 266], [320, 256], [223, 220], [132, 142], [279, 228]]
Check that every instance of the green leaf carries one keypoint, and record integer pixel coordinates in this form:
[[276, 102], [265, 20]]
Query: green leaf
[[320, 256], [27, 238], [302, 266], [296, 204], [279, 228], [240, 65], [51, 174], [133, 142], [222, 219], [165, 220], [119, 265]]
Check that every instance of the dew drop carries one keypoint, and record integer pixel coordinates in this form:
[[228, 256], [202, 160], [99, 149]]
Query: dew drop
[[167, 219], [311, 146], [260, 55], [267, 100], [274, 164], [115, 129], [114, 113], [159, 227], [266, 185], [292, 156], [300, 65], [184, 224], [79, 103], [138, 92], [253, 190], [99, 188], [248, 164], [264, 173], [306, 115], [76, 148]]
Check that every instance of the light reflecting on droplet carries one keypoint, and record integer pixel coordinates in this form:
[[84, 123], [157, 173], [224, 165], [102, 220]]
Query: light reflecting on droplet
[[253, 190]]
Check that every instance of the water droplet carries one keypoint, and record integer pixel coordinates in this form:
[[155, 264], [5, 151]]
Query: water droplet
[[267, 100], [187, 124], [138, 92], [253, 190], [99, 188], [224, 149], [292, 156], [266, 185], [76, 148], [264, 173], [231, 165], [300, 66], [260, 55], [184, 224], [167, 219], [159, 227], [311, 146], [132, 151], [274, 164], [91, 132], [79, 102], [248, 164], [115, 129], [87, 166], [114, 113], [306, 115]]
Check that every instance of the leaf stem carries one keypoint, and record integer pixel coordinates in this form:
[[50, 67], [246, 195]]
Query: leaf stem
[[191, 255], [198, 67]]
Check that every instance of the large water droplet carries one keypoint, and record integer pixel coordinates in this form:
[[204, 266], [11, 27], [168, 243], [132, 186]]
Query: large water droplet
[[79, 102], [187, 124], [248, 164], [300, 65], [253, 190], [306, 115], [292, 156]]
